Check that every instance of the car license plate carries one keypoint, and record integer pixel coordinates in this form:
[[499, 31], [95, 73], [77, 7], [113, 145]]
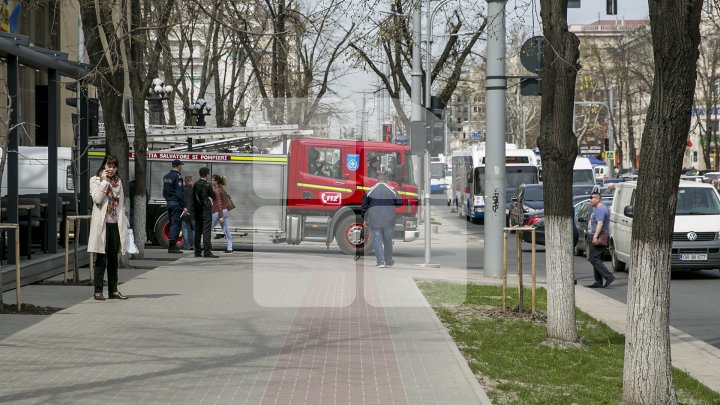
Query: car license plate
[[695, 256]]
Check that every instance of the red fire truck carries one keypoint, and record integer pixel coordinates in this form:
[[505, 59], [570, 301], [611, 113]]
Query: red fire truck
[[312, 193]]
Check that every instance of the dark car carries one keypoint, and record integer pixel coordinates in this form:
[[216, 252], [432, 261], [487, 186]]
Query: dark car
[[528, 198], [537, 219]]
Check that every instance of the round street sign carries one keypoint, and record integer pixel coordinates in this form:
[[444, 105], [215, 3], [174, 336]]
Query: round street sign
[[531, 54]]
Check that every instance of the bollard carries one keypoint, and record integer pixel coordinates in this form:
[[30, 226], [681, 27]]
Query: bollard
[[16, 229], [75, 219]]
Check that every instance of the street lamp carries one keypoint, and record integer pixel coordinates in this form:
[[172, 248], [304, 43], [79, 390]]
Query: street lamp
[[426, 159], [200, 110], [158, 91]]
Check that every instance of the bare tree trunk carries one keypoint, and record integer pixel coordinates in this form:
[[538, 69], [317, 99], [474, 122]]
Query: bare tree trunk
[[647, 374], [558, 149], [103, 49]]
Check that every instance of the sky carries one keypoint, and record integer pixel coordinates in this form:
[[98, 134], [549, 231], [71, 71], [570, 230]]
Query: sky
[[589, 12]]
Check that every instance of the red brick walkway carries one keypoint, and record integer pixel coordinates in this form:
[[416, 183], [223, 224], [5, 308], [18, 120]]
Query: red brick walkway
[[336, 354]]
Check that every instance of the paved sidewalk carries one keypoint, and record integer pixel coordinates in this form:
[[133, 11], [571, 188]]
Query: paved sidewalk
[[263, 328], [245, 328]]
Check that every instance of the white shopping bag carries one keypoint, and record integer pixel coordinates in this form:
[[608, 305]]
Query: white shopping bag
[[130, 246]]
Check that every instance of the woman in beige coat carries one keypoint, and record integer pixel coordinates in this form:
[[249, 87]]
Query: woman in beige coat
[[108, 226]]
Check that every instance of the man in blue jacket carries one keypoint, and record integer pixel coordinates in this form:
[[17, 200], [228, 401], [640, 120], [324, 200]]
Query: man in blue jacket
[[174, 193], [378, 207]]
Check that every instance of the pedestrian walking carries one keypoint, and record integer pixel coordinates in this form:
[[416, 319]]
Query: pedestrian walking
[[202, 207], [188, 217], [174, 193], [378, 207], [220, 209], [108, 227], [599, 226]]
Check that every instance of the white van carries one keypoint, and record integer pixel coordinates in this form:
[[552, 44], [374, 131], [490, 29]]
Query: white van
[[695, 243], [33, 170], [602, 172], [583, 171]]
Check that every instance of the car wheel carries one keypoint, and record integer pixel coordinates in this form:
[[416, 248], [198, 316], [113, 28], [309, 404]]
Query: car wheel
[[616, 263]]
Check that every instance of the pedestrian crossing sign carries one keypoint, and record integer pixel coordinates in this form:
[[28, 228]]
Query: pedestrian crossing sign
[[610, 155]]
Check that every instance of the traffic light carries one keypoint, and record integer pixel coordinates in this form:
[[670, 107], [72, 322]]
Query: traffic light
[[387, 132], [611, 7], [530, 86], [436, 129], [72, 101], [93, 116]]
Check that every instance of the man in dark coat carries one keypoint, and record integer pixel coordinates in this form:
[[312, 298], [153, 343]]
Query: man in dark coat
[[188, 219], [378, 207], [174, 193], [202, 206]]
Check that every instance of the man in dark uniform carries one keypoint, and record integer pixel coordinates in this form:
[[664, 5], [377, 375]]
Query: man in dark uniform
[[174, 193], [202, 207]]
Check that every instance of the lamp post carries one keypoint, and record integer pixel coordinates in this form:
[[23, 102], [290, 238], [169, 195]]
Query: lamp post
[[199, 109], [428, 132], [158, 91]]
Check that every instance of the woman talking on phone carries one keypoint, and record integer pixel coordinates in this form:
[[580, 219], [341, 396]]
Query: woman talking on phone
[[108, 226]]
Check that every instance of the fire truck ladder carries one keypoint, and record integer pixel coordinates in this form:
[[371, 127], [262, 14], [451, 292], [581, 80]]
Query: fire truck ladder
[[211, 139]]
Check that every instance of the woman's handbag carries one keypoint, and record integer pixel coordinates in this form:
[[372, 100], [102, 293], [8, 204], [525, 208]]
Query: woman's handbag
[[602, 239], [228, 202], [130, 246]]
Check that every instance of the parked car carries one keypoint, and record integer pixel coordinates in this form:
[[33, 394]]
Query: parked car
[[695, 242], [527, 198]]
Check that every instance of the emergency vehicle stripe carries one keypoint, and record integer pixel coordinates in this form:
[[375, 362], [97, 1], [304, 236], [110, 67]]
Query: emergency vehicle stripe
[[258, 159], [399, 192], [237, 158], [306, 185]]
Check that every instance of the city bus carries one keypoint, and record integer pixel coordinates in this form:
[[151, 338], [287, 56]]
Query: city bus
[[468, 185]]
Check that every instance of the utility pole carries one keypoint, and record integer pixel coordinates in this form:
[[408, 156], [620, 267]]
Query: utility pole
[[611, 141], [495, 89]]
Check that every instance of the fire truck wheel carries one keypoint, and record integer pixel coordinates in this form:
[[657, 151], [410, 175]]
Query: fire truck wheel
[[162, 230], [349, 236]]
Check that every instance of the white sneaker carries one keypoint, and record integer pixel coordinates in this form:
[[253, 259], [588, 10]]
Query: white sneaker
[[381, 266]]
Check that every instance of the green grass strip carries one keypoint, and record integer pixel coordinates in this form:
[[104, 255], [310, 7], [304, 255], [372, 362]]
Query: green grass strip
[[507, 355]]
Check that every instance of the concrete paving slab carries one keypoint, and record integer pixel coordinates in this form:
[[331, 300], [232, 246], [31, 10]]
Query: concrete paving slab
[[195, 331]]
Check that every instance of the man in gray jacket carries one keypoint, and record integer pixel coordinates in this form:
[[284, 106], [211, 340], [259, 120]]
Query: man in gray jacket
[[378, 207]]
